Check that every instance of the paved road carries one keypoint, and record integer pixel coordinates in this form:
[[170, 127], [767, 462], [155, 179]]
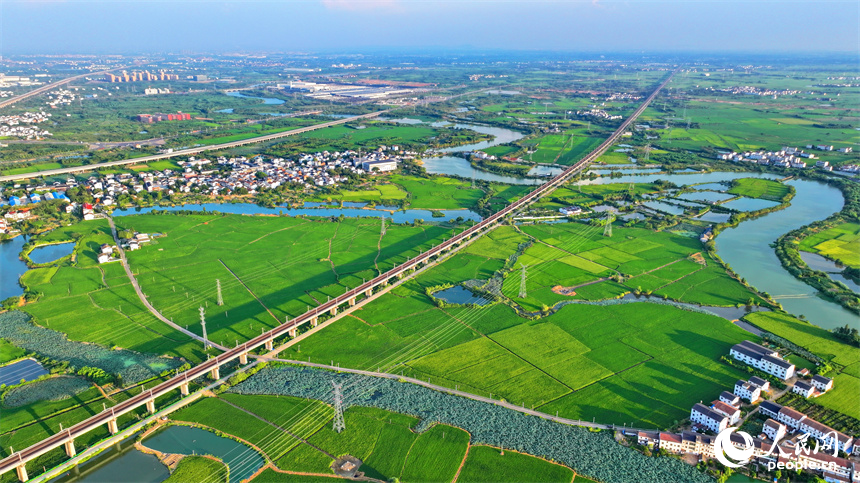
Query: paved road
[[200, 370], [52, 85], [213, 147], [141, 295]]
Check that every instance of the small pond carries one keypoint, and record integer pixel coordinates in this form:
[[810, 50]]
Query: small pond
[[242, 460], [49, 253], [27, 369], [664, 207], [460, 295], [714, 217], [706, 196]]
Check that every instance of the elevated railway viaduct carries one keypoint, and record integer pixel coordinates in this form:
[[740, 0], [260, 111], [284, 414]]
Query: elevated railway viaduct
[[351, 298]]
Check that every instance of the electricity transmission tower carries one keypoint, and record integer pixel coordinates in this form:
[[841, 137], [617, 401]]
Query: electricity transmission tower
[[607, 228], [203, 324], [218, 287], [647, 152], [339, 424], [523, 293]]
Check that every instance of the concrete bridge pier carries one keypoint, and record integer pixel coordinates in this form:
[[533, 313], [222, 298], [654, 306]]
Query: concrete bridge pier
[[183, 389], [333, 311], [150, 406], [352, 302], [243, 358], [70, 448], [270, 345], [292, 332], [112, 427], [368, 292], [22, 472], [315, 322], [215, 373]]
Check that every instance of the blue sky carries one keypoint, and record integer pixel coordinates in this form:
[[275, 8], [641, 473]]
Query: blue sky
[[96, 26]]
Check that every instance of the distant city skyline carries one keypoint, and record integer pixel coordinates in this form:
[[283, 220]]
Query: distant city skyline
[[100, 26]]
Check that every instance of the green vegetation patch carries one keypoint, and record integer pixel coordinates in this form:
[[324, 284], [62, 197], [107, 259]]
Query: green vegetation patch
[[198, 468], [813, 338], [840, 243], [759, 188], [486, 464]]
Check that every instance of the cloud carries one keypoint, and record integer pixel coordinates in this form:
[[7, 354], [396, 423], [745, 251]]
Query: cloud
[[355, 5]]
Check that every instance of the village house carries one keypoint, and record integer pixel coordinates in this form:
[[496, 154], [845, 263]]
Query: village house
[[747, 390], [730, 399], [821, 383], [803, 388], [762, 358], [707, 417], [774, 430], [731, 412]]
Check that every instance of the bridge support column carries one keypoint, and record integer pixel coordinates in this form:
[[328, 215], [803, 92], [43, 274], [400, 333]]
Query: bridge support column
[[292, 332], [270, 345], [400, 275], [22, 472], [352, 302], [368, 292], [215, 373], [70, 448], [333, 311], [385, 283], [315, 322], [150, 406], [183, 389], [243, 358], [112, 427]]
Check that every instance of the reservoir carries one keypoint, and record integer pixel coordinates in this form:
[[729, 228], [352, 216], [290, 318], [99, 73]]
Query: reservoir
[[49, 253], [242, 460]]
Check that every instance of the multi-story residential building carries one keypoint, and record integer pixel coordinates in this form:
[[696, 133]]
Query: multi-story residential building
[[774, 430], [731, 412], [803, 388], [762, 358], [709, 418], [730, 399], [748, 391], [823, 384]]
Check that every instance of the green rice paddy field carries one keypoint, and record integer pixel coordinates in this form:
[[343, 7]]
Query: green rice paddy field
[[636, 362], [759, 188], [841, 243], [286, 265]]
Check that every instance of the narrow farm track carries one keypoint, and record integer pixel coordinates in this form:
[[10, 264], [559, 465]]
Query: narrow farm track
[[352, 297], [142, 296]]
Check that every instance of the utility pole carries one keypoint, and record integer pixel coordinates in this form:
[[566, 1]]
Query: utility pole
[[203, 324], [523, 294], [218, 286], [339, 424]]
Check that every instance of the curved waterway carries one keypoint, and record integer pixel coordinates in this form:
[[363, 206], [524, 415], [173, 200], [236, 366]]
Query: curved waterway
[[746, 248], [453, 165], [394, 213]]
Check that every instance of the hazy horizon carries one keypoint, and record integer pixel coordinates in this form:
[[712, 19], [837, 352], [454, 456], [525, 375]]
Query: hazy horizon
[[634, 26]]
